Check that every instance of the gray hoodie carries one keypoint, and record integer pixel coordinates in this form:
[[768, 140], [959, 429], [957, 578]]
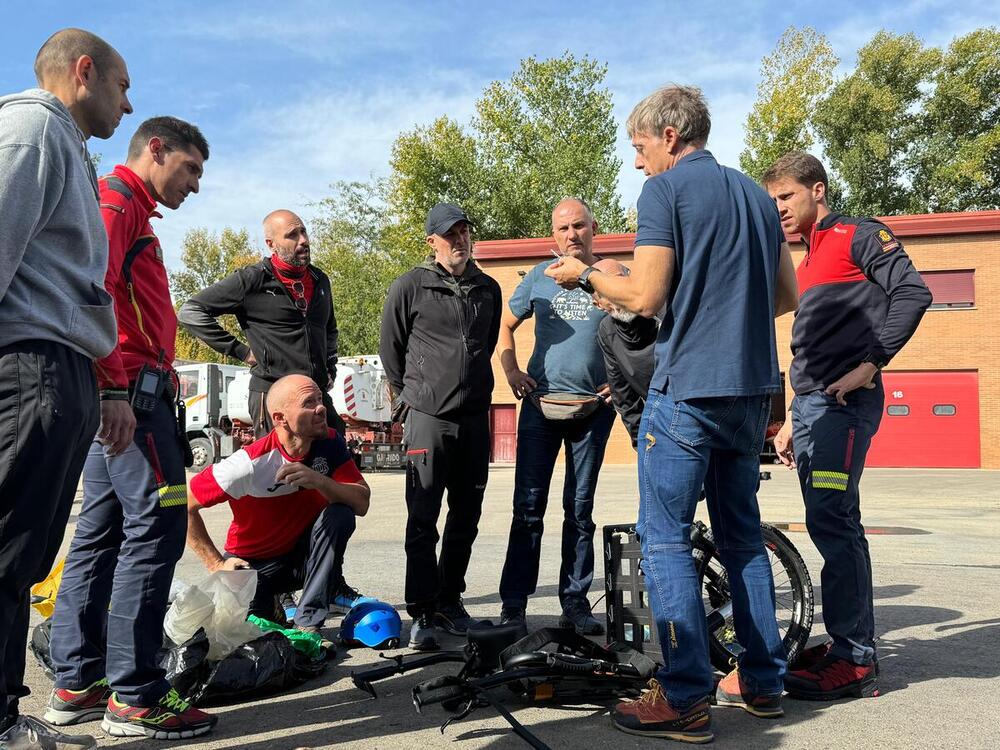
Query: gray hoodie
[[53, 245]]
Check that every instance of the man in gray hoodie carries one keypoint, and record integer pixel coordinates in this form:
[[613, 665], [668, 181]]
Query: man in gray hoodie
[[55, 319]]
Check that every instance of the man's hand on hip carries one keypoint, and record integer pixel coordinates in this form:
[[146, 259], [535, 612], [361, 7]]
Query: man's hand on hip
[[521, 383], [117, 426], [251, 360], [860, 377]]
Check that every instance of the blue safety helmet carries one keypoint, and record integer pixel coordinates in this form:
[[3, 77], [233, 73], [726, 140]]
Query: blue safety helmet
[[372, 623]]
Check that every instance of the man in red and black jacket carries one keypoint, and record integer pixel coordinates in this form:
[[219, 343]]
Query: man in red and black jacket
[[284, 307], [132, 525], [860, 301]]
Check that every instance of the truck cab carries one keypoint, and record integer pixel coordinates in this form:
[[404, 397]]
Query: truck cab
[[204, 386]]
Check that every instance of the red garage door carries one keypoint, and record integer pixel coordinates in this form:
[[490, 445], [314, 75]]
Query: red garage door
[[931, 419], [503, 428]]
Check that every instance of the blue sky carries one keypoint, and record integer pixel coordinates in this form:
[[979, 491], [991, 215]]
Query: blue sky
[[294, 99]]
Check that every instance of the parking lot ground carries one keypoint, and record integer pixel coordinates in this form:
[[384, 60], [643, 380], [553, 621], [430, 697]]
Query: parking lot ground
[[935, 547]]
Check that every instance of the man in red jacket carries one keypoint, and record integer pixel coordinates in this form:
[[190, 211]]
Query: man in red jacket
[[133, 523]]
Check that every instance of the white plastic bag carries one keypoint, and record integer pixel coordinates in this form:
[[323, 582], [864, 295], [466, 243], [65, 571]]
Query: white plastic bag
[[218, 604]]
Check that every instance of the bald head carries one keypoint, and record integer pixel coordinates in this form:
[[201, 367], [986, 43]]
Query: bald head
[[61, 51], [286, 235], [287, 389]]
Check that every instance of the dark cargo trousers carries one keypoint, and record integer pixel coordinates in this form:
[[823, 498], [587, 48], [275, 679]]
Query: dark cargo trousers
[[128, 539], [315, 564], [830, 443], [48, 416], [443, 453]]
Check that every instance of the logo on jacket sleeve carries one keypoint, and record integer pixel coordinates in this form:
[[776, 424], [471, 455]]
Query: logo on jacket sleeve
[[321, 466], [887, 241]]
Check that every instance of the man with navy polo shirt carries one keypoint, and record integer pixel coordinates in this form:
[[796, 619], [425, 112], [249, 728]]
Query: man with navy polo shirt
[[294, 494], [709, 245], [567, 362]]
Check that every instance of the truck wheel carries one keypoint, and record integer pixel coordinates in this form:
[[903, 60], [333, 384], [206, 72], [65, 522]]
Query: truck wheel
[[204, 453]]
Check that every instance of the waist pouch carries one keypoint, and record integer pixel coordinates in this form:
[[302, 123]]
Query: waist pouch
[[566, 406]]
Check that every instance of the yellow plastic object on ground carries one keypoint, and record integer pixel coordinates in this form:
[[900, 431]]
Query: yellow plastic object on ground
[[43, 594]]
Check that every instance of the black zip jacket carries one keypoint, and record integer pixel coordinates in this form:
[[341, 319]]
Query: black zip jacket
[[438, 335], [283, 340], [860, 300], [628, 359]]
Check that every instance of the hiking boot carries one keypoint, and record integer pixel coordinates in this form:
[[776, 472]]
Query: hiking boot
[[346, 598], [651, 715], [452, 618], [813, 655], [29, 733], [422, 635], [733, 692], [76, 706], [513, 615], [831, 678], [324, 643], [170, 719], [577, 615]]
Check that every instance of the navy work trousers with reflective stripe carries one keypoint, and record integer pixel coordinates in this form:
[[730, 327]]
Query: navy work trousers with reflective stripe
[[128, 539], [830, 443]]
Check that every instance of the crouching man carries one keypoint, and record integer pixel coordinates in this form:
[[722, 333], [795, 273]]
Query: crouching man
[[294, 494]]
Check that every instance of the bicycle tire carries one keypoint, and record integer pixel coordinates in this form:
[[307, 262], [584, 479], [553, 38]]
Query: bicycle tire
[[794, 601]]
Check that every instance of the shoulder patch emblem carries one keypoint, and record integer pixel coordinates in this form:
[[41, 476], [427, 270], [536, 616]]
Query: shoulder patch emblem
[[891, 245], [884, 236], [320, 466]]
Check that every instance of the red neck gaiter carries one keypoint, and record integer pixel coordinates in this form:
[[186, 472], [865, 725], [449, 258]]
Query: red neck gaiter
[[290, 276]]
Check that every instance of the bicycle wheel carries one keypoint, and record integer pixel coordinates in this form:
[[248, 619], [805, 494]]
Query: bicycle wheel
[[793, 595]]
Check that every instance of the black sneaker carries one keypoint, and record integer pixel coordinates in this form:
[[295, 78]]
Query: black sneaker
[[513, 615], [577, 615], [346, 598], [452, 618], [422, 635], [31, 734]]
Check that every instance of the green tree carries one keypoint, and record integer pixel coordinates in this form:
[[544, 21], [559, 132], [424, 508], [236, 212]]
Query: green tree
[[793, 78], [545, 134], [208, 258], [957, 161], [870, 123], [362, 249]]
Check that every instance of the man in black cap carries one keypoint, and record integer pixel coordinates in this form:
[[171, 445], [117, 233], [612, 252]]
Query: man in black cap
[[440, 325]]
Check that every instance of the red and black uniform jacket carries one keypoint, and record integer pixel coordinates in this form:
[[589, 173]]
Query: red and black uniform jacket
[[860, 300], [137, 279]]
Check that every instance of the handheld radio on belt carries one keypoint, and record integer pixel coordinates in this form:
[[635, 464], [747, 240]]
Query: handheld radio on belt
[[150, 386]]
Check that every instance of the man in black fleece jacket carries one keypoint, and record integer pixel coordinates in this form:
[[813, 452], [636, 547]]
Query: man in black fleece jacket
[[440, 325]]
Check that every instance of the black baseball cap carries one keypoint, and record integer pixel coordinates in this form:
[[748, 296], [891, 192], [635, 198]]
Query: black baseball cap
[[443, 217]]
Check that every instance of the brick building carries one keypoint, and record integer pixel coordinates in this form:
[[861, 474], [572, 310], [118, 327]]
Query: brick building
[[942, 390]]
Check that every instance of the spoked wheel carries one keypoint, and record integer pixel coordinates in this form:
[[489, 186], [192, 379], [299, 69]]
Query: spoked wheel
[[793, 595]]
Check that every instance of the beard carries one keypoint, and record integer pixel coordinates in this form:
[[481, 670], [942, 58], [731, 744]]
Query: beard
[[623, 316]]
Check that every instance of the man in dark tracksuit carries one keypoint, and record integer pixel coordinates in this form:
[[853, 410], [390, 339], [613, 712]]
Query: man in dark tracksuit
[[285, 308], [108, 621], [440, 326], [860, 301]]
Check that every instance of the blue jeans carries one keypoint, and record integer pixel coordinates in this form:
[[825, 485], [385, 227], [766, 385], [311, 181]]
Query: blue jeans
[[538, 443], [684, 445], [830, 443]]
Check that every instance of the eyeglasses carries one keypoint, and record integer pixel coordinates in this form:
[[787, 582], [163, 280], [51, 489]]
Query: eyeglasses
[[299, 292]]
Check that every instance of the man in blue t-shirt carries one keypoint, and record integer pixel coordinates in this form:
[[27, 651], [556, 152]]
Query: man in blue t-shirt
[[710, 246], [564, 393]]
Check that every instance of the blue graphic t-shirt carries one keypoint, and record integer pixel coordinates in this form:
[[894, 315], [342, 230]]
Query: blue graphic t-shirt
[[567, 357]]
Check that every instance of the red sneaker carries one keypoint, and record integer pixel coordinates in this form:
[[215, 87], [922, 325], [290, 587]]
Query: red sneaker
[[171, 719], [733, 693], [75, 706], [831, 678], [652, 716]]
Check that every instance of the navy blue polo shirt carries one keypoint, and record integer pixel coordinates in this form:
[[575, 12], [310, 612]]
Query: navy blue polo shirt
[[717, 335]]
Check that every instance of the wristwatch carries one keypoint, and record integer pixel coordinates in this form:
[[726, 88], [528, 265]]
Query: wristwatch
[[583, 281]]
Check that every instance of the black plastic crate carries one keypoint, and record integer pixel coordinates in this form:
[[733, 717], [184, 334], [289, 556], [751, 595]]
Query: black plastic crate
[[630, 619]]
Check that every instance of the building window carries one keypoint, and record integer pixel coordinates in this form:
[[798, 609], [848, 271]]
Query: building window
[[897, 410], [951, 289], [944, 410]]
